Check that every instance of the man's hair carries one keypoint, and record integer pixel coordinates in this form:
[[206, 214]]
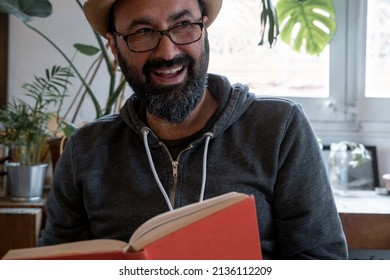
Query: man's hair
[[111, 19]]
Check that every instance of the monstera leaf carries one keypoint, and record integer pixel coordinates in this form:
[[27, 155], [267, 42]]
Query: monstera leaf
[[25, 10], [316, 21]]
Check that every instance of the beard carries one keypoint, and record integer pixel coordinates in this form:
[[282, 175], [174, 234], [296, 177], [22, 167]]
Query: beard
[[172, 103]]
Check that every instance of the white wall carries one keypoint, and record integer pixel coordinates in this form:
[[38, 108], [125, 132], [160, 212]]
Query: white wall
[[30, 54]]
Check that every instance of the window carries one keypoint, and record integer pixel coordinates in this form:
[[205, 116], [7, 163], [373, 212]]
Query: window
[[272, 71], [344, 88], [378, 49]]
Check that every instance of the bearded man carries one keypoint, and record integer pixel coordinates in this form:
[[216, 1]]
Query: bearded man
[[186, 135]]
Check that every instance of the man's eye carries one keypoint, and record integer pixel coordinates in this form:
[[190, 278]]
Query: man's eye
[[144, 31], [183, 24]]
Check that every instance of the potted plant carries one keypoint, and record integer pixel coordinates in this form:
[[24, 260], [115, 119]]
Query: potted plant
[[26, 11], [24, 130]]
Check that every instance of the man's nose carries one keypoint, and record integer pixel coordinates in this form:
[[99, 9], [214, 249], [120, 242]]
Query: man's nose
[[166, 48]]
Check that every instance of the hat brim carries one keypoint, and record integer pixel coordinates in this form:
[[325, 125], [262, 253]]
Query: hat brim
[[97, 13]]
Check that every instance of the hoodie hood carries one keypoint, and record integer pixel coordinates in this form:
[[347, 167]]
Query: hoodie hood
[[234, 100]]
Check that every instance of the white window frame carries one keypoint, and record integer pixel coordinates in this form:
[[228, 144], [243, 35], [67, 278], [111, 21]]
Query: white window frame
[[347, 109]]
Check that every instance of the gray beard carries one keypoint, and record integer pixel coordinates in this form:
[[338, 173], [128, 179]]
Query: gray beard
[[170, 103], [174, 103]]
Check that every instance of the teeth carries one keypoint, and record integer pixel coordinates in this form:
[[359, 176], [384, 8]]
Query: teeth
[[170, 71]]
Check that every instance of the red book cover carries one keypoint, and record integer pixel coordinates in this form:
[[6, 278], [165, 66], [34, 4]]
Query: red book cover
[[229, 234]]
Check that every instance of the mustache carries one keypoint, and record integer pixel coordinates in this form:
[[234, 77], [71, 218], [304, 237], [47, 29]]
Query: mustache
[[153, 64]]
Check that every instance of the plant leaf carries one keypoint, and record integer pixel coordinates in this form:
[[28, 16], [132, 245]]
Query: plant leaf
[[69, 129], [86, 49], [25, 10], [316, 20], [268, 19]]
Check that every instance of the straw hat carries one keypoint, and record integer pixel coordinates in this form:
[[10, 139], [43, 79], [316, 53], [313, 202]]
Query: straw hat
[[97, 13]]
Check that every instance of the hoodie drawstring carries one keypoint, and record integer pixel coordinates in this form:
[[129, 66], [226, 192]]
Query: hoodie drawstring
[[204, 169], [208, 136], [145, 134]]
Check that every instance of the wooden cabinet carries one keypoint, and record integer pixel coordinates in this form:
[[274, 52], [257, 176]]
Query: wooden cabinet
[[365, 216], [20, 223], [19, 228]]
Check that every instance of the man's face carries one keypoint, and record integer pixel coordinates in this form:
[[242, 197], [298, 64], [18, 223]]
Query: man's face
[[171, 79]]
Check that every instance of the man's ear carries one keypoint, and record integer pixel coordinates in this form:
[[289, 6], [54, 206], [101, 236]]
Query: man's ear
[[205, 20], [112, 43]]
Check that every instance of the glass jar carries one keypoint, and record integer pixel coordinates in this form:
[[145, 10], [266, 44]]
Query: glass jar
[[338, 167]]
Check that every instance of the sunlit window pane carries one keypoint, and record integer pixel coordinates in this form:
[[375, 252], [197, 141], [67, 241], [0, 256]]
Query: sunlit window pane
[[378, 49], [278, 71]]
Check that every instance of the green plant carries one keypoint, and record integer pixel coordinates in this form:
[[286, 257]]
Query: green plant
[[268, 20], [305, 25], [24, 124], [26, 10]]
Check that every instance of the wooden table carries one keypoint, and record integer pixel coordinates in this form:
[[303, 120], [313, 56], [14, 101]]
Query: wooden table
[[365, 216]]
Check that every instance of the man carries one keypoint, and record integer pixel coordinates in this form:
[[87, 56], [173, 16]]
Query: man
[[185, 136]]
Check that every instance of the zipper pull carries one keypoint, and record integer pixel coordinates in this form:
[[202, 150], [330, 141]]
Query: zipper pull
[[174, 168]]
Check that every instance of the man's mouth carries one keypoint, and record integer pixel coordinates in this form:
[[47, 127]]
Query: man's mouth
[[169, 76], [169, 72]]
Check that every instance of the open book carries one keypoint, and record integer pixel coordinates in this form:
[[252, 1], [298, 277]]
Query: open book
[[222, 227]]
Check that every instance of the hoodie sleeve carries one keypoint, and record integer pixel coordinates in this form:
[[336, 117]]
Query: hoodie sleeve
[[67, 219], [307, 221]]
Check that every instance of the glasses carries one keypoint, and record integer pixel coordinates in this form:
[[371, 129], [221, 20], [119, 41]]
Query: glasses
[[149, 39]]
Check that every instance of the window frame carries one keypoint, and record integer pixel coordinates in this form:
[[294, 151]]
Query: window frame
[[347, 109]]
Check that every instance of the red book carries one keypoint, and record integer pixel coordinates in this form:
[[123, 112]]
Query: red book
[[221, 228]]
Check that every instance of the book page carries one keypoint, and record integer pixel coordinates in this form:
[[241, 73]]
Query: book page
[[68, 249], [168, 222]]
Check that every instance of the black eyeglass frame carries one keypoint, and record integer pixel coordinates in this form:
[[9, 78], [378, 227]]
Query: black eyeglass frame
[[161, 33]]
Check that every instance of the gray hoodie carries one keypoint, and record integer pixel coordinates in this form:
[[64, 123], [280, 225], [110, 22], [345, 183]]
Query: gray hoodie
[[104, 185]]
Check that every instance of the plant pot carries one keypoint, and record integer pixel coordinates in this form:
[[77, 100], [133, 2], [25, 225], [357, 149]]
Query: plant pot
[[25, 182]]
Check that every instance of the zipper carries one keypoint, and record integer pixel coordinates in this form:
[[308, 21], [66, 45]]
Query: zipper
[[175, 164], [175, 170]]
